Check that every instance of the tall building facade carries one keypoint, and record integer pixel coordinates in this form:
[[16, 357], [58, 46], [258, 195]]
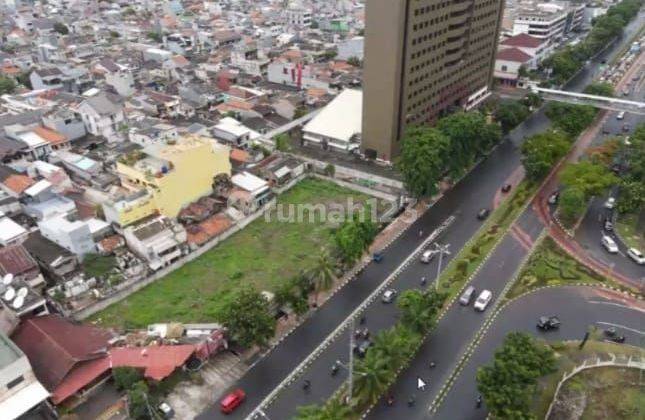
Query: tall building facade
[[423, 58]]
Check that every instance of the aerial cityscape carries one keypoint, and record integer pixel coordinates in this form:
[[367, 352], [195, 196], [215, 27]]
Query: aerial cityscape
[[322, 209]]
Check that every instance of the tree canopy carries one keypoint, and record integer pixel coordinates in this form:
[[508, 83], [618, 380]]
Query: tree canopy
[[590, 178], [572, 119], [247, 317], [507, 384], [510, 114], [600, 89], [541, 151], [355, 235], [428, 154], [419, 308]]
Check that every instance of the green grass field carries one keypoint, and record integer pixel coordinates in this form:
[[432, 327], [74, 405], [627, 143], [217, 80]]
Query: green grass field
[[609, 393], [549, 265], [262, 254]]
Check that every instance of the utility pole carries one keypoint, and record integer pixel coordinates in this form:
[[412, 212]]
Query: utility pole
[[443, 249], [351, 362]]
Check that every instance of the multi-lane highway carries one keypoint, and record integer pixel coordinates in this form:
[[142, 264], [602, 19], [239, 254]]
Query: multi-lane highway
[[578, 308], [475, 191]]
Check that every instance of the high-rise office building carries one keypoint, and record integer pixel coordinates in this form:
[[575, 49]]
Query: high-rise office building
[[422, 59]]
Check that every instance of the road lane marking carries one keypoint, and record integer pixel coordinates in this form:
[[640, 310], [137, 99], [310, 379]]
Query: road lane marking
[[622, 327], [617, 304], [343, 325]]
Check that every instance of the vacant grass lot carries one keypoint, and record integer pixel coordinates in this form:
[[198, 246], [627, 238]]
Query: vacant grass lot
[[262, 254], [549, 265], [599, 393]]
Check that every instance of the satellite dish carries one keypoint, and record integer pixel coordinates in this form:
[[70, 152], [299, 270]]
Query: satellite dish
[[17, 304], [22, 292], [9, 294], [7, 279]]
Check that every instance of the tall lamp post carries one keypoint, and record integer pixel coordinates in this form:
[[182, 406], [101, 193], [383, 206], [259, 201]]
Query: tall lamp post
[[442, 249]]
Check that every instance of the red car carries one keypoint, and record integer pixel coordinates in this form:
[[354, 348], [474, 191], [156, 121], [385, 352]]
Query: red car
[[232, 401]]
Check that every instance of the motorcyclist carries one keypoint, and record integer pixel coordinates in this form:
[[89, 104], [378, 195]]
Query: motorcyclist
[[423, 281], [479, 401], [432, 364], [411, 400], [306, 384], [390, 400]]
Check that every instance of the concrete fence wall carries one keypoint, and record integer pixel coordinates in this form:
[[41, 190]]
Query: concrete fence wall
[[627, 362], [125, 289]]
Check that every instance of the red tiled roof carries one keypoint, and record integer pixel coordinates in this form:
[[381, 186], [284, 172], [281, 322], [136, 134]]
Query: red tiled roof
[[51, 136], [216, 224], [55, 346], [15, 259], [157, 361], [513, 54], [18, 183], [523, 40], [239, 155]]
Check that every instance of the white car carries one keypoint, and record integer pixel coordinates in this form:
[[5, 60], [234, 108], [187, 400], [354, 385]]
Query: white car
[[621, 115], [428, 255], [610, 203], [636, 255], [388, 296], [483, 300], [609, 244]]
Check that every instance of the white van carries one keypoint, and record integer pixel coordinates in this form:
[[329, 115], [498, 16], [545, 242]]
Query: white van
[[620, 115], [483, 300], [609, 244]]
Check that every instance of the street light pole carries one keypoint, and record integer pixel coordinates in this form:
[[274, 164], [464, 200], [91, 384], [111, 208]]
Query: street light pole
[[443, 249], [351, 362]]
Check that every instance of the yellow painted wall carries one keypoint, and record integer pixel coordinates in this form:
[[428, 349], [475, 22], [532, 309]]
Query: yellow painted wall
[[137, 212], [190, 178]]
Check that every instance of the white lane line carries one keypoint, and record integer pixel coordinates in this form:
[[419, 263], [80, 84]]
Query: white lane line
[[597, 302], [343, 325], [622, 327]]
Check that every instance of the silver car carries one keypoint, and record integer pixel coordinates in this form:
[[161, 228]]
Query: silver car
[[467, 296]]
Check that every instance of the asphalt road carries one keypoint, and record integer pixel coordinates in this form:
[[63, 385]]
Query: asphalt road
[[475, 191], [456, 330], [577, 307], [591, 230]]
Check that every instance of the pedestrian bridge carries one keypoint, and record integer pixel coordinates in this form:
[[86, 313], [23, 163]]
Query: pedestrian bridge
[[613, 104]]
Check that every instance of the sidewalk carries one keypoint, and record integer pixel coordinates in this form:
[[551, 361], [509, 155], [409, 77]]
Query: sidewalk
[[540, 205]]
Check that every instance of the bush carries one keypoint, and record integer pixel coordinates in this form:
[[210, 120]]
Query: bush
[[126, 377]]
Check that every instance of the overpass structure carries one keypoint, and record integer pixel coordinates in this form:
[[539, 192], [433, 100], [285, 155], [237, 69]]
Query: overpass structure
[[612, 104]]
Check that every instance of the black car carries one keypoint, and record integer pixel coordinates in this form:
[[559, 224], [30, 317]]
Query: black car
[[547, 323], [506, 188], [608, 225], [360, 350], [483, 214]]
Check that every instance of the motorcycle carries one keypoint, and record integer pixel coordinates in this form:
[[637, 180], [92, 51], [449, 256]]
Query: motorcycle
[[390, 401], [334, 369]]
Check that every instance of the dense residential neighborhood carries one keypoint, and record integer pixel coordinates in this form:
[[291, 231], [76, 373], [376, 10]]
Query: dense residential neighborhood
[[277, 209]]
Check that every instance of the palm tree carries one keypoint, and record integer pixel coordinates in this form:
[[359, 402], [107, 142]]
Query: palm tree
[[419, 308], [333, 409], [372, 376], [322, 274], [387, 344]]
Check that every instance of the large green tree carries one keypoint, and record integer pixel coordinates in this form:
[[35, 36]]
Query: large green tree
[[419, 308], [470, 136], [590, 178], [572, 203], [508, 384], [422, 159], [600, 89], [355, 235], [292, 293], [573, 119], [541, 151], [247, 316], [139, 405], [510, 114]]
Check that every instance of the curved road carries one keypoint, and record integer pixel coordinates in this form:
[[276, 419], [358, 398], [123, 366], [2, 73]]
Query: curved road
[[577, 307], [464, 200]]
